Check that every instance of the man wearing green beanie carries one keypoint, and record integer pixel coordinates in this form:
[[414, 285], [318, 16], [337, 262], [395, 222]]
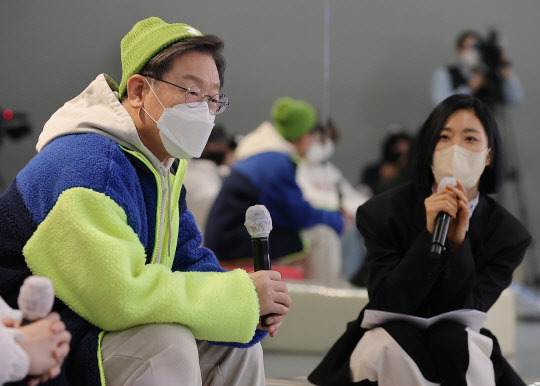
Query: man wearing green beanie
[[101, 211], [265, 173]]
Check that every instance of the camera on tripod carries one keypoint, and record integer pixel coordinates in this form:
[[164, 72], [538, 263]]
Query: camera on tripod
[[13, 125], [492, 64]]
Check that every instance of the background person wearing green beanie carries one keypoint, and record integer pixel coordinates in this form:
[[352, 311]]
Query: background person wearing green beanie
[[265, 173], [101, 211]]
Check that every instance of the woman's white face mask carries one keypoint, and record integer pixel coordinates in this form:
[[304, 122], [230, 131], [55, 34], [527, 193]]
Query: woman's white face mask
[[455, 161], [184, 131]]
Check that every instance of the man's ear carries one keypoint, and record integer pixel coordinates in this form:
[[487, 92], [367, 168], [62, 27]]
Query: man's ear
[[135, 90]]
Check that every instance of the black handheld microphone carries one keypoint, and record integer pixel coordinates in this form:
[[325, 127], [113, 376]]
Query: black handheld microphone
[[442, 222], [259, 224]]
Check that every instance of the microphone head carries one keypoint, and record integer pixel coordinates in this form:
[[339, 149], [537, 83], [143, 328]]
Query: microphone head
[[36, 297], [258, 221], [447, 181]]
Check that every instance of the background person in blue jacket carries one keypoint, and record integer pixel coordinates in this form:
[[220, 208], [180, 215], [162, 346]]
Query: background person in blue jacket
[[265, 173]]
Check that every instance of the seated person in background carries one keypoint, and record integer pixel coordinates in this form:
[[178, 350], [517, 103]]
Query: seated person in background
[[485, 244], [205, 175], [325, 187], [392, 170], [479, 73], [36, 350], [265, 173], [101, 212]]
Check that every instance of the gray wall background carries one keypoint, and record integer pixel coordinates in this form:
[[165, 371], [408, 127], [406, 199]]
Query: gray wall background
[[382, 57]]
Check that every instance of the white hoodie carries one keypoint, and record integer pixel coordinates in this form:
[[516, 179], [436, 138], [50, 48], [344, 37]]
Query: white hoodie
[[98, 110], [264, 138]]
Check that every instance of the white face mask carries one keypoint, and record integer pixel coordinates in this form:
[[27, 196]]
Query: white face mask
[[184, 130], [470, 58], [455, 161], [320, 152]]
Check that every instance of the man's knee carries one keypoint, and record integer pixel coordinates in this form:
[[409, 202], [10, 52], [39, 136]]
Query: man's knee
[[326, 242], [126, 354], [322, 233], [231, 366], [173, 337]]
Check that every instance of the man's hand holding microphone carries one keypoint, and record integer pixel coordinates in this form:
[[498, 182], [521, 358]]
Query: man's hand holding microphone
[[274, 300]]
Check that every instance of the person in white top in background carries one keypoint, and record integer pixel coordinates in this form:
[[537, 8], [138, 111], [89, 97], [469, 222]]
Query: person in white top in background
[[205, 175], [325, 187]]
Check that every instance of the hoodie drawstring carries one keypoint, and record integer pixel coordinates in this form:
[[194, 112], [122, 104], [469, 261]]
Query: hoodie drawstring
[[169, 204]]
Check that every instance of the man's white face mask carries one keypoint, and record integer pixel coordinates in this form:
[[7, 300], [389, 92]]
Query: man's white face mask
[[184, 130], [470, 58], [320, 152], [455, 161]]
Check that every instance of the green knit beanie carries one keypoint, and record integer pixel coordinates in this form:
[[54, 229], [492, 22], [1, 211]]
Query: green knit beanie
[[146, 39], [293, 118]]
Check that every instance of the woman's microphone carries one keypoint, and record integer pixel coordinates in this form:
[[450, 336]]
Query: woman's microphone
[[259, 224], [442, 222], [36, 298]]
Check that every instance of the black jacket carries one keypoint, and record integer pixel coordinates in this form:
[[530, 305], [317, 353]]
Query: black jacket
[[403, 278]]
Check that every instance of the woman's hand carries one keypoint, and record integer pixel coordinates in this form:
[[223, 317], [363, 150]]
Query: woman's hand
[[47, 345], [452, 200]]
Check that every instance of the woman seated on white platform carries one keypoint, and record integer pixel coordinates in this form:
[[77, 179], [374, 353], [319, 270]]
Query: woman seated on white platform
[[485, 244]]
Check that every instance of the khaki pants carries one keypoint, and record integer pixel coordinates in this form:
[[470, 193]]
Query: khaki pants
[[324, 261], [168, 354]]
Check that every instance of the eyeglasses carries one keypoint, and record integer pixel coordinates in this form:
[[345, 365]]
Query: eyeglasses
[[195, 95]]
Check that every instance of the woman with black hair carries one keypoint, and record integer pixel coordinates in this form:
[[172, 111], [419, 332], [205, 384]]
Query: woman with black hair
[[485, 244]]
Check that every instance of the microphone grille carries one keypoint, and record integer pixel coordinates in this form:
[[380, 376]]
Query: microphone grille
[[447, 181], [36, 297], [258, 221]]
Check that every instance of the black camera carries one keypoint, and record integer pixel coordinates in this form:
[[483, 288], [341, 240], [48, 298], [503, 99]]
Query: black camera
[[491, 52], [491, 55], [13, 125]]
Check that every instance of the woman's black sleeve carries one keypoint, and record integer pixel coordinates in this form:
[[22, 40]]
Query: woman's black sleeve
[[398, 280], [476, 282]]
